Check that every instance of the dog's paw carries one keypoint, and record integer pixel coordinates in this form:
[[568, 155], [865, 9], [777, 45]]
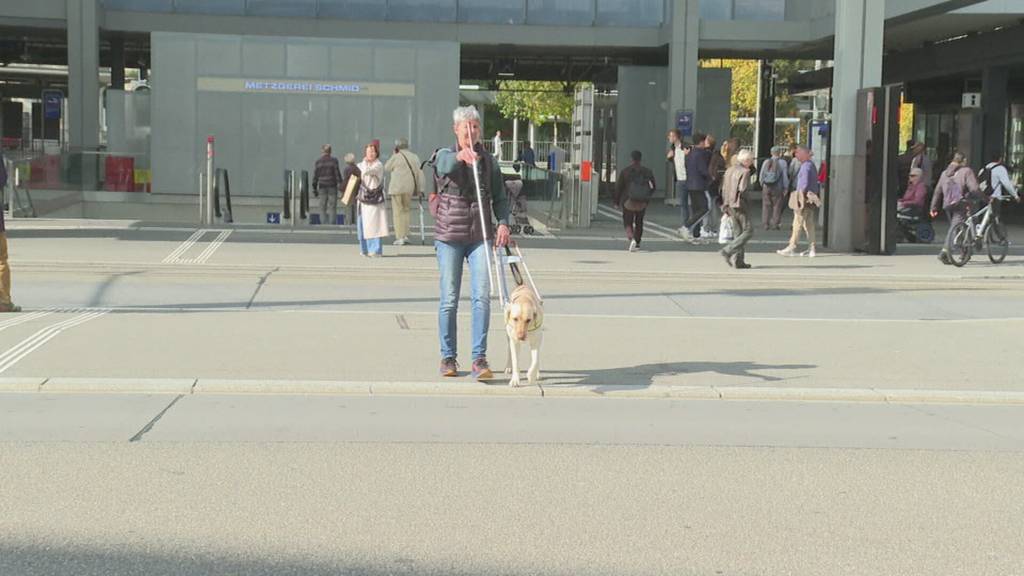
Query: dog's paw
[[533, 378], [508, 370], [515, 382]]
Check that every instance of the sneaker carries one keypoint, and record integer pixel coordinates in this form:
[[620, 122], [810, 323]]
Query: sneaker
[[709, 234], [633, 246], [728, 258], [449, 368], [685, 233], [401, 242], [481, 369], [944, 258], [809, 253], [787, 251], [743, 266]]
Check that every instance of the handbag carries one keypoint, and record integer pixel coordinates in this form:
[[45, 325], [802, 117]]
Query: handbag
[[372, 196], [726, 231]]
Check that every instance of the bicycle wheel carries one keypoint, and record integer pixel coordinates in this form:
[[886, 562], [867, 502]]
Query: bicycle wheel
[[961, 244], [997, 243]]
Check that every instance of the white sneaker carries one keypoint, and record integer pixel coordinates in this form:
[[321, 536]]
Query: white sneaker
[[809, 253], [709, 234], [787, 251], [633, 246], [401, 242], [685, 233]]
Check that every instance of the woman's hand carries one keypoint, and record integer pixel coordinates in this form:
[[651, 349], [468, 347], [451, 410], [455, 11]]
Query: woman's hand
[[503, 236], [467, 155]]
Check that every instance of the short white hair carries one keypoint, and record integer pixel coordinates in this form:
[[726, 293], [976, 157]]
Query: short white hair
[[744, 156], [465, 114]]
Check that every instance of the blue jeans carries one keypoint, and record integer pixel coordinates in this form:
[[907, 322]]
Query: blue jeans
[[684, 201], [450, 258], [368, 245]]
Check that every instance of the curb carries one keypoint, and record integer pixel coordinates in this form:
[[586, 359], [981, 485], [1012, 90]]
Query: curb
[[499, 388]]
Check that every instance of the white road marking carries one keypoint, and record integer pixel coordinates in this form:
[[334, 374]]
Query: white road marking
[[205, 255], [23, 318], [184, 247], [653, 228], [176, 256], [34, 342]]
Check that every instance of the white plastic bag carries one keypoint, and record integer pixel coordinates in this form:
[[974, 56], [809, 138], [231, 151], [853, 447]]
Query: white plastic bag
[[725, 230]]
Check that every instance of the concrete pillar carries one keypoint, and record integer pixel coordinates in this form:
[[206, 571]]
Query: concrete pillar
[[117, 62], [995, 104], [682, 60], [83, 73], [857, 64], [764, 137]]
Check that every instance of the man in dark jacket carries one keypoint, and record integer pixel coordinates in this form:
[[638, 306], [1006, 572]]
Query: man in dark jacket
[[460, 229], [698, 181], [5, 271], [633, 190], [326, 183]]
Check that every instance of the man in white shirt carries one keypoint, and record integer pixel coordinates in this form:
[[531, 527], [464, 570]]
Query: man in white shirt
[[497, 145], [677, 152], [995, 181]]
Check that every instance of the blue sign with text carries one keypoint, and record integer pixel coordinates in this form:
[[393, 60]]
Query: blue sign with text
[[684, 122], [52, 103]]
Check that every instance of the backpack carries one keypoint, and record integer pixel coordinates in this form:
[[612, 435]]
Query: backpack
[[953, 195], [985, 183], [639, 187], [771, 174]]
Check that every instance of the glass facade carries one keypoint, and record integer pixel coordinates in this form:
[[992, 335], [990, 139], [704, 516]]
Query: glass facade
[[769, 10], [604, 13]]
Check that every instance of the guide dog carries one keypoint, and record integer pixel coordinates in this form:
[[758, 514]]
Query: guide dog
[[524, 317]]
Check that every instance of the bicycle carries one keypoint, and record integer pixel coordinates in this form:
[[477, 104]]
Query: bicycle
[[970, 235]]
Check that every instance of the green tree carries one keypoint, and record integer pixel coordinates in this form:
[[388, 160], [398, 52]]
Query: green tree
[[534, 101]]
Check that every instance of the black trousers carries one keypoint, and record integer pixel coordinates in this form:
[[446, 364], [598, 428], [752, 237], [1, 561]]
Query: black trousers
[[698, 208], [634, 223]]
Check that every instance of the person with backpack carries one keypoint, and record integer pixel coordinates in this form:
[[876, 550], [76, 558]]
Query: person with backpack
[[956, 192], [774, 178], [805, 200], [994, 181], [5, 270], [633, 191], [698, 182]]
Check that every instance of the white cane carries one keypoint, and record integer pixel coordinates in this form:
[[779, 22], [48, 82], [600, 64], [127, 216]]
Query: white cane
[[483, 214]]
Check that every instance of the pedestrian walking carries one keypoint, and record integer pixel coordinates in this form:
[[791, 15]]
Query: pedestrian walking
[[698, 182], [351, 172], [956, 193], [774, 178], [677, 152], [462, 224], [735, 184], [326, 185], [405, 184], [6, 305], [497, 145], [805, 201], [373, 215], [527, 155], [921, 160], [633, 190]]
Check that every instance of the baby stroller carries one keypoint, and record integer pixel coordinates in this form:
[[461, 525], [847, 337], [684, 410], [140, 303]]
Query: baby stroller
[[517, 200]]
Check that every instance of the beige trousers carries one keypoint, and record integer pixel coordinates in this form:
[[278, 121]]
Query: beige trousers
[[401, 204], [805, 219]]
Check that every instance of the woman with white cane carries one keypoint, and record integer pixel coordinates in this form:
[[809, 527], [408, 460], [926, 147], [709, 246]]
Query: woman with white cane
[[469, 195]]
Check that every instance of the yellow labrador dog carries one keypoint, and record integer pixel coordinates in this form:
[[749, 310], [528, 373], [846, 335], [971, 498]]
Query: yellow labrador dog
[[523, 319]]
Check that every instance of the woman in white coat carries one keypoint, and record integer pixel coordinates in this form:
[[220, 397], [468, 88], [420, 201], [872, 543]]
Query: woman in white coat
[[373, 215]]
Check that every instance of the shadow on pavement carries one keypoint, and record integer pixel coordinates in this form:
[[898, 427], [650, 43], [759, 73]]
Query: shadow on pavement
[[56, 560], [644, 375]]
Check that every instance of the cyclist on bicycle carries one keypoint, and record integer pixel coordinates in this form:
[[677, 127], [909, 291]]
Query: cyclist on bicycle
[[956, 191], [995, 181]]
